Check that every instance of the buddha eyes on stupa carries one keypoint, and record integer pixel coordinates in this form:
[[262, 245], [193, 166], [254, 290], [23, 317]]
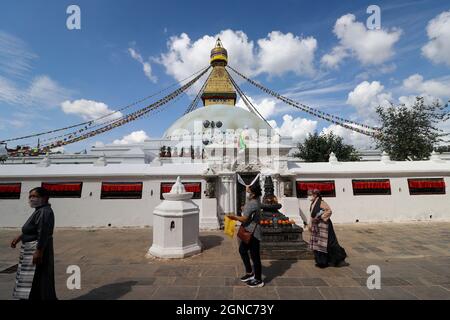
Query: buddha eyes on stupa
[[212, 124]]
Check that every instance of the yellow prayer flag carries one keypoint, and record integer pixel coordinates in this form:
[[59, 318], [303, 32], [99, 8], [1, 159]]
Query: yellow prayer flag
[[229, 227]]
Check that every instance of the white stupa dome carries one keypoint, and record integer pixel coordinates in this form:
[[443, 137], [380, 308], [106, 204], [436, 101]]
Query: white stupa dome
[[220, 117]]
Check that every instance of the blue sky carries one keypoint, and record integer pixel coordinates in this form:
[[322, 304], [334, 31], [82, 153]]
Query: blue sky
[[318, 52]]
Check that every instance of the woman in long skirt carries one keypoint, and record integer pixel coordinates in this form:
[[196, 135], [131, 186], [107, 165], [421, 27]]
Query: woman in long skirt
[[327, 251], [35, 279]]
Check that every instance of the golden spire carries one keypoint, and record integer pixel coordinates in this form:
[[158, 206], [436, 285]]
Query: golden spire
[[219, 55], [218, 89]]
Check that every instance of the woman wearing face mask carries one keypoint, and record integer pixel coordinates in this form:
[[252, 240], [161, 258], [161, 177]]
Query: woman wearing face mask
[[35, 278], [250, 220], [327, 251]]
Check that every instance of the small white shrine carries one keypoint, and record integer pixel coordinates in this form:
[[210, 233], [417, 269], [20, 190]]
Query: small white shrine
[[176, 225]]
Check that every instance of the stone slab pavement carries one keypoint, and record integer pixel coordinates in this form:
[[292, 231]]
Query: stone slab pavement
[[414, 259]]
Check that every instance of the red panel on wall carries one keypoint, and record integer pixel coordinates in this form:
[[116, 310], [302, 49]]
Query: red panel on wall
[[195, 187], [371, 187], [426, 186], [63, 189], [121, 190], [110, 187], [326, 188], [10, 190]]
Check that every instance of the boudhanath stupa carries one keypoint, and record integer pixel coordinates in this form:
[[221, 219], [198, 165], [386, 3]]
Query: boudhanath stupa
[[213, 149]]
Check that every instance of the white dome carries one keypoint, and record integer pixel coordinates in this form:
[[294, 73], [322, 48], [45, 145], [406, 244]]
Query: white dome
[[231, 117]]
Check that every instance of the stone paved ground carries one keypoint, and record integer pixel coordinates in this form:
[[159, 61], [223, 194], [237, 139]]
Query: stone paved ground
[[414, 259]]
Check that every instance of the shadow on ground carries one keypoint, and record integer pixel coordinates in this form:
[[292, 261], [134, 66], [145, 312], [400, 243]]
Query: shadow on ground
[[111, 291], [276, 269], [210, 241]]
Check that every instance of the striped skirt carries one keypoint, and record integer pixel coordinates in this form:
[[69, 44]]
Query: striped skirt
[[25, 271], [319, 237]]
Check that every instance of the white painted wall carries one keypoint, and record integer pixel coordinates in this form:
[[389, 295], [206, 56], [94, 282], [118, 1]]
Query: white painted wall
[[91, 211], [399, 206]]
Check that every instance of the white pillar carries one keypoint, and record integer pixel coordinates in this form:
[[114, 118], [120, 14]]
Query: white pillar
[[225, 193], [276, 185], [209, 219], [232, 195]]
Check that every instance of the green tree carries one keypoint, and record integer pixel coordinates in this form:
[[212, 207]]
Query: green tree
[[317, 148], [411, 133]]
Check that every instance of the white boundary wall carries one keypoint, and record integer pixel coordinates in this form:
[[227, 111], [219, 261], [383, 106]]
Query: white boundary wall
[[91, 211], [399, 206]]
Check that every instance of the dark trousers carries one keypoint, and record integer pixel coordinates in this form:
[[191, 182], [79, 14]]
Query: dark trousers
[[253, 247]]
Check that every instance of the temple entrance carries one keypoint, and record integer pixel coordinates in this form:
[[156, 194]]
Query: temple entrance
[[248, 177]]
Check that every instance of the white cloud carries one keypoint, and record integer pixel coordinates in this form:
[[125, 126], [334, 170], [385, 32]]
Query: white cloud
[[445, 127], [23, 119], [266, 107], [359, 141], [185, 57], [17, 123], [43, 92], [438, 47], [334, 58], [280, 53], [15, 56], [410, 100], [7, 123], [132, 138], [416, 84], [389, 68], [145, 64], [89, 110], [298, 128], [276, 54], [9, 93], [366, 97], [370, 47], [15, 61], [431, 90], [318, 90]]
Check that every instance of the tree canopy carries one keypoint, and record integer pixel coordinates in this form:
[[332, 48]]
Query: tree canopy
[[317, 148], [411, 133]]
